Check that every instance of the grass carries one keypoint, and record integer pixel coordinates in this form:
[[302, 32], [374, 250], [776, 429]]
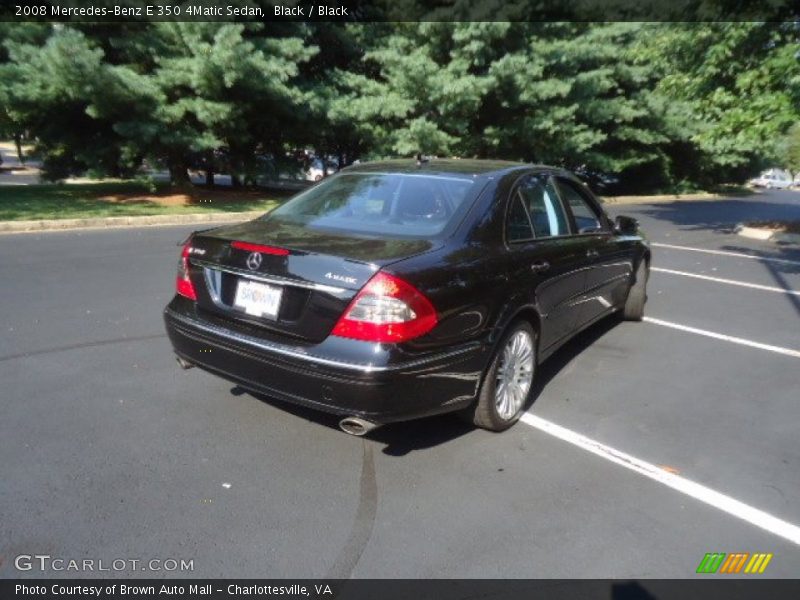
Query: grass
[[126, 198]]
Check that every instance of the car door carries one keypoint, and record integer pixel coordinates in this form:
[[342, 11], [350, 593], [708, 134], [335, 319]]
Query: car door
[[547, 260], [608, 263]]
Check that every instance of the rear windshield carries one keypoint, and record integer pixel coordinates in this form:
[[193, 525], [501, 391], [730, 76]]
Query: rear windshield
[[391, 204]]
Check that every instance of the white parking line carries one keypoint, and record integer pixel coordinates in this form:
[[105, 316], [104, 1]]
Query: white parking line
[[725, 338], [755, 286], [723, 502], [726, 253]]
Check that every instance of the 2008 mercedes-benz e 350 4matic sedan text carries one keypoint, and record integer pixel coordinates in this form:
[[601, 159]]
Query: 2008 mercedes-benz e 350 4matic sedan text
[[400, 289]]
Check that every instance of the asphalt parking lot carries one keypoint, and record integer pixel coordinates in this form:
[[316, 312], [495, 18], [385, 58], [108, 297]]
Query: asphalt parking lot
[[109, 450]]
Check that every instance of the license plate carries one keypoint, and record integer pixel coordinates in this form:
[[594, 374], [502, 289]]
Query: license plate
[[258, 299]]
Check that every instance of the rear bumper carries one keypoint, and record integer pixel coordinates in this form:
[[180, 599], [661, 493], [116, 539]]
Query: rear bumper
[[344, 377]]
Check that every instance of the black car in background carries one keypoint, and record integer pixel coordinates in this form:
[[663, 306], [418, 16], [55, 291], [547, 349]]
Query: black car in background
[[399, 289]]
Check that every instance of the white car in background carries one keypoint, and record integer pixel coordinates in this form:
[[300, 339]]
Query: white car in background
[[773, 179], [318, 169]]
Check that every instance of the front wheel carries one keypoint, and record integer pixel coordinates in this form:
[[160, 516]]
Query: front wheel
[[637, 295], [508, 381]]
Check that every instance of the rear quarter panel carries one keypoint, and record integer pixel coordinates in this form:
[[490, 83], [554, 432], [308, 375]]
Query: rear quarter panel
[[467, 280]]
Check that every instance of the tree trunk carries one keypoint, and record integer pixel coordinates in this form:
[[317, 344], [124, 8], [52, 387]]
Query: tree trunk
[[18, 143], [178, 172], [235, 181], [210, 177]]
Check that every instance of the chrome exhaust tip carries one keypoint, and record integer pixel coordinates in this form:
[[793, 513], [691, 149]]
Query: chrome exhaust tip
[[356, 426], [185, 364]]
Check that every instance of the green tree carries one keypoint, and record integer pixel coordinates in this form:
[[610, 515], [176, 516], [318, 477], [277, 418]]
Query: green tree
[[577, 95], [46, 92], [105, 97], [564, 93], [10, 126], [330, 127], [208, 87], [657, 105], [790, 150], [740, 82]]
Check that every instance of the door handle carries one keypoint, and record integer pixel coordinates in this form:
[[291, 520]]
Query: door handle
[[592, 253], [540, 266]]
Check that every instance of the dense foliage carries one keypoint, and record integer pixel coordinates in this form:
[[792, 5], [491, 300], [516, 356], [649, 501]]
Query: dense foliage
[[648, 105]]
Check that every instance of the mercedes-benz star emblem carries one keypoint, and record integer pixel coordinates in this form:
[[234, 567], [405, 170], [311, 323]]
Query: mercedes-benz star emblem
[[254, 261]]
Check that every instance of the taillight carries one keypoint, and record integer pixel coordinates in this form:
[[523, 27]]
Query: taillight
[[183, 285], [387, 309]]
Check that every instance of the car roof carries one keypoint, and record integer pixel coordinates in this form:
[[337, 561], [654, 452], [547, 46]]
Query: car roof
[[443, 166]]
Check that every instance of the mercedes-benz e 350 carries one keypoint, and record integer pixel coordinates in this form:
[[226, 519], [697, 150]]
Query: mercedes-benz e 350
[[399, 289]]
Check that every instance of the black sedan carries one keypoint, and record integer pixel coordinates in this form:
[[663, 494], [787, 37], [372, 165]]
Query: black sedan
[[400, 289]]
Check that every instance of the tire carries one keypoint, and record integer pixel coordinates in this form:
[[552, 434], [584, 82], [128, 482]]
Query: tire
[[637, 295], [489, 411]]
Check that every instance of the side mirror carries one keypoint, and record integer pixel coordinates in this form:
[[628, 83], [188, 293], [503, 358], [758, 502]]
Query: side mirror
[[626, 225]]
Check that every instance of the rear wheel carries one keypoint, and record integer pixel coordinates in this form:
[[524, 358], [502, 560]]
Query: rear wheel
[[637, 295], [508, 381]]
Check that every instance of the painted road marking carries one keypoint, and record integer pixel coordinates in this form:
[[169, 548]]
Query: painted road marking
[[718, 500], [755, 286], [725, 338], [727, 253]]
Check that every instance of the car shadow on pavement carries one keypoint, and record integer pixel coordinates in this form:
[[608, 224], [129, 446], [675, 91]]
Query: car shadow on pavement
[[722, 215], [573, 348], [399, 439], [778, 270]]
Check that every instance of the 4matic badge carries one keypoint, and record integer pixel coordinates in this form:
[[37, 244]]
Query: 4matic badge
[[342, 278]]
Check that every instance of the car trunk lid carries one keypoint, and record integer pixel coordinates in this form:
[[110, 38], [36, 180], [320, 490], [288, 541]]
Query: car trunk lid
[[288, 278]]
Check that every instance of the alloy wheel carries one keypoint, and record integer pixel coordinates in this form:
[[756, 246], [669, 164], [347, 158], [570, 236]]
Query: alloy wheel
[[514, 375]]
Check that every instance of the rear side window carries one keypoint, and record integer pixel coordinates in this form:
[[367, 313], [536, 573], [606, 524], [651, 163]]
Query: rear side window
[[535, 210], [518, 225], [393, 204], [586, 217], [544, 207]]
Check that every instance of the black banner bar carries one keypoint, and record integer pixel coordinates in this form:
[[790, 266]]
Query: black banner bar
[[711, 588], [123, 11]]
